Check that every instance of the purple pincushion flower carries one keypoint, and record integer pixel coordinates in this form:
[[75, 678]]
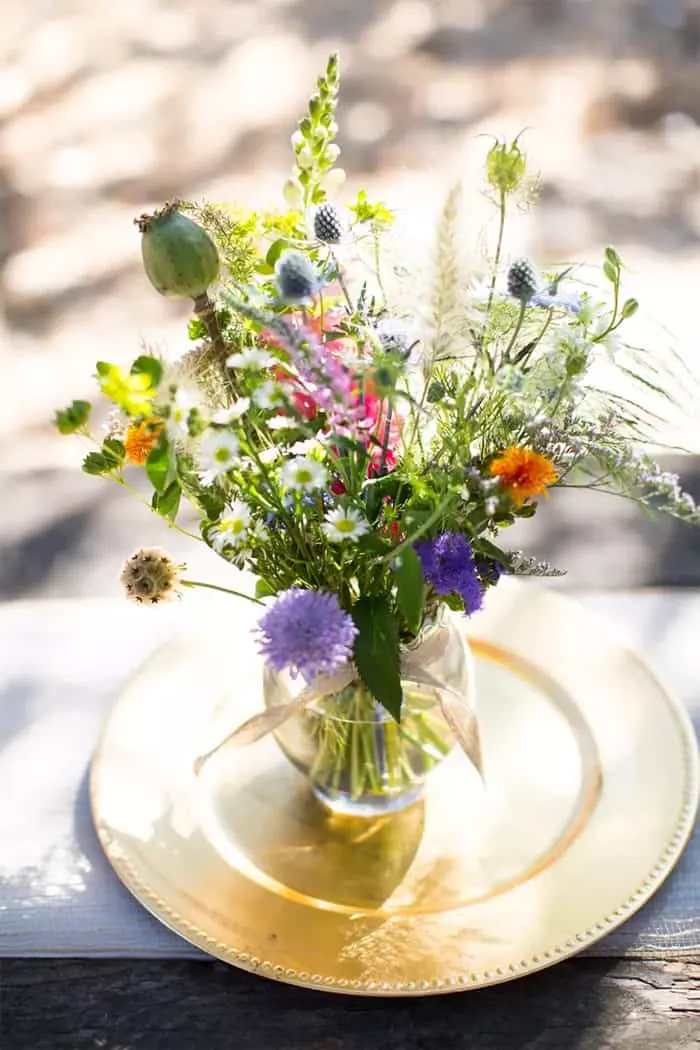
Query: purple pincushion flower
[[307, 632], [449, 566]]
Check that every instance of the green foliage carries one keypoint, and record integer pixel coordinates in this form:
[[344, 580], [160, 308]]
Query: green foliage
[[410, 588], [133, 392], [148, 366], [235, 233], [377, 215], [74, 418], [113, 451], [376, 652], [263, 589], [167, 502], [158, 466], [95, 463]]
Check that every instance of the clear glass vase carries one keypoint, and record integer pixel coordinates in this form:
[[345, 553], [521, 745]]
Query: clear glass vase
[[357, 758]]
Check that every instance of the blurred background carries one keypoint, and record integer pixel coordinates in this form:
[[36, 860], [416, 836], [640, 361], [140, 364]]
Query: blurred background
[[107, 109]]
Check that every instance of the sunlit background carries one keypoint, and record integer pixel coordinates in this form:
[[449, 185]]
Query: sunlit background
[[108, 108]]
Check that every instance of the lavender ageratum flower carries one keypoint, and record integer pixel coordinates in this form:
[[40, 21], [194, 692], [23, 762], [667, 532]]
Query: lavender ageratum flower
[[295, 277], [448, 565], [307, 632]]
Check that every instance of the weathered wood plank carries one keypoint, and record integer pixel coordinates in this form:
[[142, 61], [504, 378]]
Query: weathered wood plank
[[586, 1004]]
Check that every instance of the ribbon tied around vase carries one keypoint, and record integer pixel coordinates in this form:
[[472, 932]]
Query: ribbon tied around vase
[[457, 709]]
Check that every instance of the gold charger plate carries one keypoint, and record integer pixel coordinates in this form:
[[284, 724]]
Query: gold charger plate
[[590, 793]]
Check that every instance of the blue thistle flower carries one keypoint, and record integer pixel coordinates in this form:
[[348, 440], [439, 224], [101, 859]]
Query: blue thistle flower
[[553, 300], [489, 570], [295, 277], [307, 632], [449, 566]]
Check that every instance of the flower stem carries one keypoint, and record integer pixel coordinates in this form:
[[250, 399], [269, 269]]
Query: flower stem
[[497, 256], [516, 330], [224, 590]]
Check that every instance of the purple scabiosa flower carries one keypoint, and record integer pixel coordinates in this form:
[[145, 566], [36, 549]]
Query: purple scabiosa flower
[[448, 565], [307, 632]]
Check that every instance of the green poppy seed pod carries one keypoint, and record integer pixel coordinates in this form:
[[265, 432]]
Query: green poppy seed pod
[[179, 257]]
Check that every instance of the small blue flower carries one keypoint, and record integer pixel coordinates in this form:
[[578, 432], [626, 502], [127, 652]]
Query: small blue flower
[[295, 277], [307, 632], [448, 565], [489, 570], [555, 300]]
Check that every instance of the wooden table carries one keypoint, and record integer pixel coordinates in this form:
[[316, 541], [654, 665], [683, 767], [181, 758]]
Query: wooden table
[[584, 1004]]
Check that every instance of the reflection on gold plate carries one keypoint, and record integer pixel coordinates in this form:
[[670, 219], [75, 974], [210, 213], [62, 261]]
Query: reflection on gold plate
[[590, 792]]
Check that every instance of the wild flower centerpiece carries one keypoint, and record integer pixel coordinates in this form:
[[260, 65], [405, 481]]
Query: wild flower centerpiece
[[357, 436]]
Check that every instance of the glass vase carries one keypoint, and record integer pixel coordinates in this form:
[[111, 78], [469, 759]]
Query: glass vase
[[357, 758]]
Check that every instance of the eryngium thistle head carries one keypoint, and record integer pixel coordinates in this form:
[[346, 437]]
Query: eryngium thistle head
[[327, 225], [150, 576], [296, 278], [522, 280]]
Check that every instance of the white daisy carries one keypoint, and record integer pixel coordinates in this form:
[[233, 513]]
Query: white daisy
[[303, 474], [233, 412], [269, 455], [232, 528], [269, 395], [280, 423], [254, 357], [218, 452], [180, 407], [305, 447], [344, 524]]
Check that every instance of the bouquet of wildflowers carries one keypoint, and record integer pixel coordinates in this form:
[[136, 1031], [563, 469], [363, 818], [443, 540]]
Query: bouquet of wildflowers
[[358, 436]]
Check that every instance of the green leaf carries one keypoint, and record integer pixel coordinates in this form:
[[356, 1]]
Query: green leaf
[[196, 329], [133, 392], [113, 451], [527, 510], [158, 466], [275, 250], [95, 463], [210, 501], [73, 418], [377, 652], [486, 547], [375, 543], [410, 593], [148, 366], [264, 590], [373, 502], [167, 503]]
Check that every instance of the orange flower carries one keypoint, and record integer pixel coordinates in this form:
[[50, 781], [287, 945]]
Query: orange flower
[[523, 473], [140, 439]]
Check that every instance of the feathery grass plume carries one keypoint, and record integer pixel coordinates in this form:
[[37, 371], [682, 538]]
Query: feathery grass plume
[[444, 310], [234, 232]]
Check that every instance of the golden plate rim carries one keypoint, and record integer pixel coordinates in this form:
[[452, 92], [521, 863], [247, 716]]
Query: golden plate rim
[[472, 980]]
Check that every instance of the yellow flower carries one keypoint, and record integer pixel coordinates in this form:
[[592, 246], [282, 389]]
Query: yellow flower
[[523, 473], [140, 439]]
